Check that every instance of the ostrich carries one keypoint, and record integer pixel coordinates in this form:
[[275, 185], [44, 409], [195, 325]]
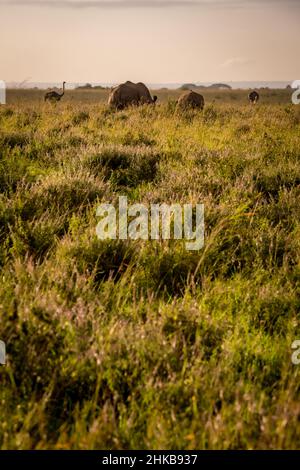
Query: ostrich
[[253, 97], [54, 96]]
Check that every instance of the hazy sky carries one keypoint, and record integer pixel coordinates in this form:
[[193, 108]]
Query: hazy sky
[[154, 41]]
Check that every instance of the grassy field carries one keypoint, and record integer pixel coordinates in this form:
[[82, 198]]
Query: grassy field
[[142, 344], [80, 97]]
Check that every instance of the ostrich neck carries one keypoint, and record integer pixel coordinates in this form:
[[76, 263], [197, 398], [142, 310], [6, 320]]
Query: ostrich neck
[[63, 90]]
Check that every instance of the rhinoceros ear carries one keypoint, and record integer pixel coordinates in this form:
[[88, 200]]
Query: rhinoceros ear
[[154, 98]]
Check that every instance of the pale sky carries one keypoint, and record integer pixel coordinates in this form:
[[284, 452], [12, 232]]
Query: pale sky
[[155, 41]]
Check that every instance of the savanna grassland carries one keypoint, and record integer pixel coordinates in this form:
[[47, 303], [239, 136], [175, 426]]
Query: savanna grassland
[[143, 344]]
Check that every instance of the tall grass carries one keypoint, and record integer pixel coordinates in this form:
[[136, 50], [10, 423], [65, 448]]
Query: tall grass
[[142, 344]]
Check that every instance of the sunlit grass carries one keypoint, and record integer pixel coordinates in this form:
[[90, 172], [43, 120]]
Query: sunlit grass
[[142, 344]]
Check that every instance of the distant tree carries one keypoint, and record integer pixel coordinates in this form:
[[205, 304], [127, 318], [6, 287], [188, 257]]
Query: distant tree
[[220, 86], [87, 86], [215, 86], [188, 86]]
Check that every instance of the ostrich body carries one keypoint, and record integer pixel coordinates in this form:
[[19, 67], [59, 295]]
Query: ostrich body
[[253, 97], [54, 95]]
